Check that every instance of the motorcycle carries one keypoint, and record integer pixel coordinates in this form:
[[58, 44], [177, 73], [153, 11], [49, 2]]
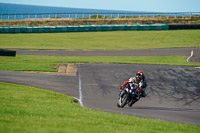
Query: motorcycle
[[128, 95]]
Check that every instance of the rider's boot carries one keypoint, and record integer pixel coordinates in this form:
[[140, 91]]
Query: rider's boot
[[143, 94], [137, 96]]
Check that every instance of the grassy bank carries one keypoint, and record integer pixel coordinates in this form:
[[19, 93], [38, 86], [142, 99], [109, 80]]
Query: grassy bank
[[100, 20], [102, 40], [50, 63], [30, 110]]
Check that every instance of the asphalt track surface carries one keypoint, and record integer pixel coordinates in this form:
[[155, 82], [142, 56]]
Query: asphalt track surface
[[140, 52], [173, 92]]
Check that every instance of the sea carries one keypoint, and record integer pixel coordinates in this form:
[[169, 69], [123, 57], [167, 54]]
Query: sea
[[15, 11], [21, 12], [19, 9]]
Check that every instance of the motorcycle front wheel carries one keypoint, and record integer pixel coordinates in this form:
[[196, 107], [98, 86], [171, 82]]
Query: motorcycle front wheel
[[124, 99]]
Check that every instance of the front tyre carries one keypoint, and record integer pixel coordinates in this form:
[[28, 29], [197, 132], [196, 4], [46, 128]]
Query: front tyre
[[124, 99], [119, 102]]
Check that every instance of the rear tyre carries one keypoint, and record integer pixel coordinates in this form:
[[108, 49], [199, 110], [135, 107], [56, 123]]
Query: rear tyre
[[131, 103]]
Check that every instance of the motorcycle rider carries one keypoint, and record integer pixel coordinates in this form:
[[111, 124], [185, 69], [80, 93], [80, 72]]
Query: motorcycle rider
[[139, 81]]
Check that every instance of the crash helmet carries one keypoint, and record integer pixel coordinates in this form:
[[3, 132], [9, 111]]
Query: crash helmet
[[138, 75], [141, 72]]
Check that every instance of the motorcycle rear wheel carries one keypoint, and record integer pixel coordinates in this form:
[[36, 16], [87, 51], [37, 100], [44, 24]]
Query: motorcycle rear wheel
[[131, 103]]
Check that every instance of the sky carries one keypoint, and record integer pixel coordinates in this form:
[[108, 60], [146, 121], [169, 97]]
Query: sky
[[128, 5]]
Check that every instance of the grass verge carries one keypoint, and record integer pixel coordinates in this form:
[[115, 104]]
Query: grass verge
[[26, 109], [116, 40], [50, 63]]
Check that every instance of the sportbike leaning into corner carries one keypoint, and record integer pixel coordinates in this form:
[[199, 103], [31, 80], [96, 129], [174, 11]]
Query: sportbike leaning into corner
[[132, 90]]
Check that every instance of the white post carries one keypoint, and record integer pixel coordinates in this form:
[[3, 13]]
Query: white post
[[192, 53]]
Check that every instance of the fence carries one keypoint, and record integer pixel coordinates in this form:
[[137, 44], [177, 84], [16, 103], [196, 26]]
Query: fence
[[103, 16]]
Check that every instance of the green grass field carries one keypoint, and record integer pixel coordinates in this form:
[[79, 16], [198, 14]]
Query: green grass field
[[30, 110], [27, 109], [117, 40], [51, 63]]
